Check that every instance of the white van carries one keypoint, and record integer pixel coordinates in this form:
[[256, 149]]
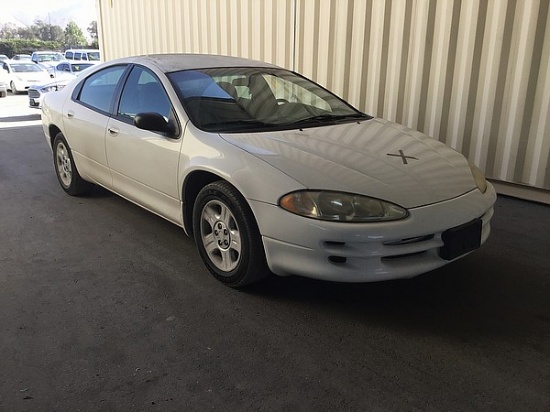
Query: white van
[[87, 55]]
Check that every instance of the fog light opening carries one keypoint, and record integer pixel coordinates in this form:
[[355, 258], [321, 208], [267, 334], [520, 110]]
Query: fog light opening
[[337, 259]]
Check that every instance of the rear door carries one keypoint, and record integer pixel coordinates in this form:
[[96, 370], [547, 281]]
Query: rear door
[[85, 119]]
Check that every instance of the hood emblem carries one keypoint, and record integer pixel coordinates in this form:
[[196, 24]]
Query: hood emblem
[[402, 156]]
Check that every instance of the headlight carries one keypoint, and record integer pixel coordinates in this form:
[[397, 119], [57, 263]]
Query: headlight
[[479, 177], [48, 89], [341, 207]]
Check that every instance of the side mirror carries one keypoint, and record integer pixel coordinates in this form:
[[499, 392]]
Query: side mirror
[[155, 122]]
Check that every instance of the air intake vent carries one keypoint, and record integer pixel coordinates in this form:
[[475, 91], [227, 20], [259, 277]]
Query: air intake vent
[[409, 240]]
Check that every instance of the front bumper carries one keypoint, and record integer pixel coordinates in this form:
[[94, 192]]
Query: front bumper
[[346, 252], [35, 98]]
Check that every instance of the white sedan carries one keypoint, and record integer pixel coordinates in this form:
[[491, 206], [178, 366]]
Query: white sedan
[[36, 92], [22, 74], [70, 69], [3, 83], [268, 171]]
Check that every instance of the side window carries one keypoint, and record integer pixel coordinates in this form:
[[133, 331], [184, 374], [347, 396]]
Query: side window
[[98, 89], [77, 56], [69, 55], [143, 92]]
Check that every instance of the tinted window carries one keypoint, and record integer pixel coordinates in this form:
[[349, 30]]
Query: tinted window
[[78, 67], [69, 55], [98, 89], [143, 92]]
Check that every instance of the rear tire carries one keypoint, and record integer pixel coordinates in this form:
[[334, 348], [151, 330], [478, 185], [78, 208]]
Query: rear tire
[[66, 170], [3, 94], [227, 236]]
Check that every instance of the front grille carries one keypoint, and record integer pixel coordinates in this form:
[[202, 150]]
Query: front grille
[[394, 257], [33, 94], [393, 252]]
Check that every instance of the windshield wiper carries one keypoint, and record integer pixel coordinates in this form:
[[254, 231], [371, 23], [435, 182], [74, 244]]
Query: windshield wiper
[[231, 125], [332, 118]]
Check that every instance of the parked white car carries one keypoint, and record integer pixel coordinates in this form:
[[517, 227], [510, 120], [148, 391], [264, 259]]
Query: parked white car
[[22, 57], [268, 171], [69, 69], [22, 74], [3, 83], [48, 59], [37, 91]]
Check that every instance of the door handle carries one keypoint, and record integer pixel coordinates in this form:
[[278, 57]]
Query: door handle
[[113, 130], [70, 114]]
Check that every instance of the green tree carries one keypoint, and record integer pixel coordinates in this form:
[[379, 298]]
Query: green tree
[[26, 33], [74, 36], [21, 46], [47, 32]]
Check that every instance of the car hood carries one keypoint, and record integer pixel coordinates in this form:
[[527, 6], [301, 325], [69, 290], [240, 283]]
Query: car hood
[[375, 158], [59, 83], [33, 76], [63, 76]]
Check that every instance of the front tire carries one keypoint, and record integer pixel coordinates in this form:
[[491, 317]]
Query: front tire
[[66, 170], [14, 88], [227, 236]]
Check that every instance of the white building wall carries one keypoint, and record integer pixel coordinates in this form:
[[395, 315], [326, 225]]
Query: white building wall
[[474, 74]]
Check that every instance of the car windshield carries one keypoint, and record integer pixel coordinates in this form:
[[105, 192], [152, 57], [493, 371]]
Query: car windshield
[[55, 57], [25, 68], [257, 99]]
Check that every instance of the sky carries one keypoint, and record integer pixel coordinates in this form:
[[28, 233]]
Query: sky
[[58, 12]]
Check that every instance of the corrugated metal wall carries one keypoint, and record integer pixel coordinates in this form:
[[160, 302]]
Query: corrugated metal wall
[[472, 73]]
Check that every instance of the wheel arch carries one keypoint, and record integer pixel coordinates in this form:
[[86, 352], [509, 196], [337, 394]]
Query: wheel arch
[[53, 131], [192, 185]]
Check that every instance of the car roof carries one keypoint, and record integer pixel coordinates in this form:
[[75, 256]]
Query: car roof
[[184, 61]]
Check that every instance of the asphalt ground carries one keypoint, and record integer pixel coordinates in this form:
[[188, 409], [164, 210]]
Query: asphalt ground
[[106, 307]]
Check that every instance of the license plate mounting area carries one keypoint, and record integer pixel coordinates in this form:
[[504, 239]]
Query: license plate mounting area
[[461, 239]]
